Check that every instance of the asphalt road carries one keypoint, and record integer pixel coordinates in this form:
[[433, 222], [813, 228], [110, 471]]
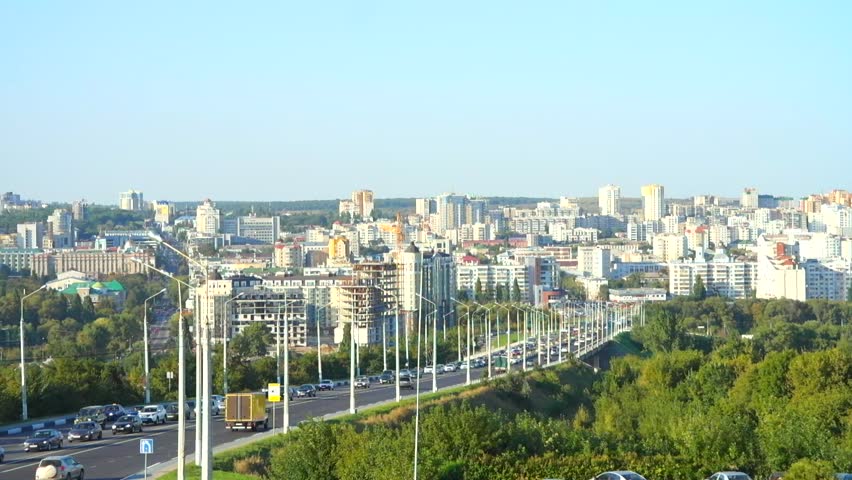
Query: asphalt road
[[116, 457]]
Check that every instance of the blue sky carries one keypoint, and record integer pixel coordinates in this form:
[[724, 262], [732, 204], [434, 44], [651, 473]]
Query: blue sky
[[309, 100]]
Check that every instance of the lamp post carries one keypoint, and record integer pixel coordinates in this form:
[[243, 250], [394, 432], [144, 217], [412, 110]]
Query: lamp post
[[434, 341], [181, 465], [467, 358], [226, 323], [203, 378], [395, 338], [487, 334], [145, 341], [508, 334], [24, 414], [319, 341]]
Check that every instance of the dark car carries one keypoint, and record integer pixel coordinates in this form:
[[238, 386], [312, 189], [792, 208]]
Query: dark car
[[44, 439], [306, 390], [172, 411], [85, 431], [405, 382], [127, 424], [94, 413], [114, 412], [386, 378]]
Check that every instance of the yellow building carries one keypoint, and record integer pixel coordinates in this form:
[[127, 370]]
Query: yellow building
[[338, 250]]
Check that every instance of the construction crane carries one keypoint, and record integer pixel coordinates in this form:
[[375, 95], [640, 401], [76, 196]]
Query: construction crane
[[398, 229]]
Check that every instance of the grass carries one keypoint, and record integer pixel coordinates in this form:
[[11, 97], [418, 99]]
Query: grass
[[194, 472]]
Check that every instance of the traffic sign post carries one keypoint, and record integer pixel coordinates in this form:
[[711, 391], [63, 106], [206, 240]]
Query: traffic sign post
[[273, 394], [146, 447]]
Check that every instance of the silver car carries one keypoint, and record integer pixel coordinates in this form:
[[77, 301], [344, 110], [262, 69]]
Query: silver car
[[729, 476], [619, 475], [59, 467]]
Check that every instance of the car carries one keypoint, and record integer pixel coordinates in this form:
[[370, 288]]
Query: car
[[153, 414], [2, 454], [362, 382], [306, 390], [463, 365], [450, 367], [113, 412], [777, 476], [325, 385], [405, 382], [619, 475], [172, 411], [63, 467], [93, 413], [406, 372], [729, 476], [292, 393], [219, 403], [127, 424], [44, 439], [428, 369], [214, 408], [843, 476], [386, 378], [85, 431]]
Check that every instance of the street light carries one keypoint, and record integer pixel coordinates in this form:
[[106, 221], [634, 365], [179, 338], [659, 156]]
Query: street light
[[487, 333], [319, 341], [181, 465], [469, 366], [226, 321], [434, 341], [145, 340], [24, 415], [395, 337]]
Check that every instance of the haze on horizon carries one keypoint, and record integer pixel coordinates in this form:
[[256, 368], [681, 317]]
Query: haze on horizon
[[270, 101]]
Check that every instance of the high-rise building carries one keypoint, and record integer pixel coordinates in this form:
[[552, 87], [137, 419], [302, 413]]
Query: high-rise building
[[207, 218], [60, 226], [164, 211], [670, 247], [595, 261], [31, 235], [749, 198], [78, 210], [262, 229], [653, 202], [609, 200], [131, 200]]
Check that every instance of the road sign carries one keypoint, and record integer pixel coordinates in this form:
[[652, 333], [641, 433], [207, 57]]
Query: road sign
[[274, 392], [146, 446]]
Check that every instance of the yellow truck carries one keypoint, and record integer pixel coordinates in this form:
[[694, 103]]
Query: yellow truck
[[246, 411]]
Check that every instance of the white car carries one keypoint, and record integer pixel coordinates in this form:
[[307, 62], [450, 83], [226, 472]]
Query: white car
[[218, 403], [450, 367], [619, 475], [153, 414], [729, 476]]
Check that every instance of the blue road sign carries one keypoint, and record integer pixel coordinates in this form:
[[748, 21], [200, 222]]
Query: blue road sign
[[146, 446]]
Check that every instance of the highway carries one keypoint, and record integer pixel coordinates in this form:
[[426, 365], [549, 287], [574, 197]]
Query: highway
[[116, 457]]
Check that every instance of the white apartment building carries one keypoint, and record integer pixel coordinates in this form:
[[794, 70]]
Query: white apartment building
[[653, 202], [749, 198], [594, 261], [721, 276], [609, 200], [490, 276], [262, 229], [131, 200], [670, 247], [30, 235], [207, 218]]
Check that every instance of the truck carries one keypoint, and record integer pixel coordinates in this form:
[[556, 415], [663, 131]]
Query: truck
[[246, 411]]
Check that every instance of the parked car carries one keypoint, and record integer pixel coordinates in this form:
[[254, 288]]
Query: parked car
[[450, 367], [325, 385], [362, 382], [620, 475], [405, 382], [306, 390], [153, 414], [85, 431], [843, 476], [386, 378], [44, 439], [113, 412], [292, 393], [214, 408], [428, 369], [127, 424], [94, 413], [2, 454], [729, 476], [63, 467]]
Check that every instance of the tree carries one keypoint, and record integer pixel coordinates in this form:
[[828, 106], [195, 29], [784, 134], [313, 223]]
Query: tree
[[252, 341], [603, 293], [663, 332], [516, 292], [699, 291], [477, 291]]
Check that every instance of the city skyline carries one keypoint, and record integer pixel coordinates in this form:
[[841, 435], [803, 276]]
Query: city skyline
[[485, 98]]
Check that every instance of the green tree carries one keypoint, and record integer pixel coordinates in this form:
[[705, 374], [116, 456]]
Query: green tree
[[807, 469], [252, 341], [516, 292], [699, 291], [663, 332]]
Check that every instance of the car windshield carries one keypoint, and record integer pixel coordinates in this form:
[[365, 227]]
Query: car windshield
[[325, 382], [305, 387], [89, 411], [172, 407], [633, 476], [738, 477], [85, 425], [149, 409], [111, 408], [43, 434], [50, 463], [126, 418]]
